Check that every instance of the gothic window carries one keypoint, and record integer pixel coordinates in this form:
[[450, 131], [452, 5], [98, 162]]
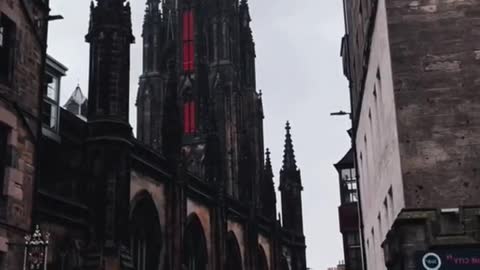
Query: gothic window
[[226, 40], [234, 258], [189, 117], [147, 115], [146, 234], [140, 250], [188, 41], [51, 108], [262, 259], [7, 49], [151, 48], [195, 248]]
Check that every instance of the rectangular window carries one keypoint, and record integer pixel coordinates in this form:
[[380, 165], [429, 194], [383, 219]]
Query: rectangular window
[[353, 239], [2, 35], [385, 211], [50, 107], [349, 179], [380, 226], [188, 42], [392, 207], [7, 49], [3, 154], [189, 120]]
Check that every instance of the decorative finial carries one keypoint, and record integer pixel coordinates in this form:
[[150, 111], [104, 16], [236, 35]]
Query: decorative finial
[[268, 164], [289, 162]]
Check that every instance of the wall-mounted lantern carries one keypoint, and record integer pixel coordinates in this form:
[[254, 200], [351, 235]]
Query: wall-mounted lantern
[[36, 250]]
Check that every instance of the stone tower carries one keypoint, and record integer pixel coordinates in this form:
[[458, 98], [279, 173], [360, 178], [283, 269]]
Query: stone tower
[[109, 133], [291, 188], [291, 193], [211, 47], [151, 96]]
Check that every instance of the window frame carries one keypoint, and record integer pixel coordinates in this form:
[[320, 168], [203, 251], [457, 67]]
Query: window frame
[[53, 104], [4, 134], [9, 34], [188, 40]]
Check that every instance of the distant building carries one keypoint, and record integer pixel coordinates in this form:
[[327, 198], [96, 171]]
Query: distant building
[[77, 103], [413, 69], [340, 266], [348, 212]]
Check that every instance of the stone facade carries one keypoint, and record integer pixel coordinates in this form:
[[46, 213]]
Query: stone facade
[[22, 62], [414, 113]]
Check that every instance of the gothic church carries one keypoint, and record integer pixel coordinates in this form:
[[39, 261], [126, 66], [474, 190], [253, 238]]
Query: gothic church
[[195, 189]]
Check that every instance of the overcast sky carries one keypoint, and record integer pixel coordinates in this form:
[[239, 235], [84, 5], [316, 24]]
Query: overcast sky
[[299, 71]]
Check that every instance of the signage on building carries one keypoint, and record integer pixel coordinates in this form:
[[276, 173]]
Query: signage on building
[[449, 259]]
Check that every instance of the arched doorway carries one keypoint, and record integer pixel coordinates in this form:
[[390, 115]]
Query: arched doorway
[[194, 245], [146, 242], [262, 263], [234, 257]]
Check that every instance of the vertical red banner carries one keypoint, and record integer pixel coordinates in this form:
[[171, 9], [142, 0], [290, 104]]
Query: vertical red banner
[[188, 41]]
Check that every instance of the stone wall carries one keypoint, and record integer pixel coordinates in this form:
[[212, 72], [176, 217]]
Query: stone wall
[[435, 47], [377, 148], [19, 111]]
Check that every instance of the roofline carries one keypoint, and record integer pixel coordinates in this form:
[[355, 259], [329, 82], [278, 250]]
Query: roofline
[[56, 65]]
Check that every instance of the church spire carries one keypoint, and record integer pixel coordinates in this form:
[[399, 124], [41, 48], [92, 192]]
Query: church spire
[[268, 166], [289, 162], [291, 188], [153, 6], [268, 197], [244, 13]]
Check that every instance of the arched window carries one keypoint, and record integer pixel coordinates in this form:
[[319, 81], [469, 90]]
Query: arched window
[[194, 245], [147, 115], [234, 257], [262, 263], [188, 38], [146, 234]]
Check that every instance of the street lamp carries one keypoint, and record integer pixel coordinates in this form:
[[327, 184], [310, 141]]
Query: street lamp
[[339, 113]]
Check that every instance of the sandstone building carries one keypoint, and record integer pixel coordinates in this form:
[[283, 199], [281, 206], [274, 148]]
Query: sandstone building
[[413, 72], [23, 30], [193, 190]]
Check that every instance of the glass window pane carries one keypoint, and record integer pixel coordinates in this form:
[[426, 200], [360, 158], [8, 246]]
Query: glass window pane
[[50, 115], [2, 36], [346, 174], [46, 113], [52, 89], [53, 117]]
